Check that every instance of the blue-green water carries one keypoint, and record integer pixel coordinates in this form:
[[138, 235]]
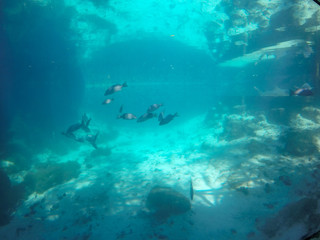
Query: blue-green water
[[248, 148]]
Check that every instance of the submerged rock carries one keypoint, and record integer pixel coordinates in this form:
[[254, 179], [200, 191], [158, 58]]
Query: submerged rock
[[48, 175], [299, 143], [302, 213], [311, 113], [164, 202], [236, 127]]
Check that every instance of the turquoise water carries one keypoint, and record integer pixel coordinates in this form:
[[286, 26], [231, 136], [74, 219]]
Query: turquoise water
[[232, 152]]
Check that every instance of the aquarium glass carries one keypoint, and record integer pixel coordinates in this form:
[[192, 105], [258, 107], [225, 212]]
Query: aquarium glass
[[148, 119]]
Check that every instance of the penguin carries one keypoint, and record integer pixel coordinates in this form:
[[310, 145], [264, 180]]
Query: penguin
[[305, 90], [165, 120], [127, 116], [154, 107], [146, 116], [115, 88]]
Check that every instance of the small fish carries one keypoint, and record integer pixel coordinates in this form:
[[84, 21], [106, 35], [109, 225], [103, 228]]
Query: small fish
[[165, 120], [115, 88], [191, 189], [305, 90], [154, 107], [107, 101], [120, 109], [127, 116], [146, 116], [301, 92]]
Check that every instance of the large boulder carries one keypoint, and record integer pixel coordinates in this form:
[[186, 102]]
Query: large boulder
[[293, 221], [164, 202]]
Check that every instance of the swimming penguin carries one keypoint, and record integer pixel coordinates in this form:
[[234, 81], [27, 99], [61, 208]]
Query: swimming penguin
[[301, 92], [127, 116], [115, 88], [164, 120], [154, 107], [305, 90], [146, 116], [84, 125], [107, 101]]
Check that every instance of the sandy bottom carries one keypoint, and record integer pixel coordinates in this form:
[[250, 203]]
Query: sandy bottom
[[239, 184]]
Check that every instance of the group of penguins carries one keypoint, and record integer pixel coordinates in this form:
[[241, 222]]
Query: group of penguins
[[85, 121]]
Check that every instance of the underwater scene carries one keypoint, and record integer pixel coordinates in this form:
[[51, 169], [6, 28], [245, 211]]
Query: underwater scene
[[147, 120]]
